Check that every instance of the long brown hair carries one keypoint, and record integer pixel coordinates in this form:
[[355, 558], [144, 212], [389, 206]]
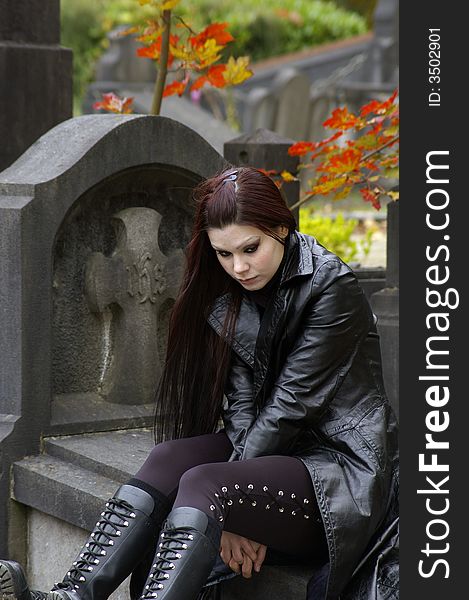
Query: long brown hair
[[190, 393]]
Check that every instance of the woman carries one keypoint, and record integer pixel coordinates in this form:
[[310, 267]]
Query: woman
[[272, 332]]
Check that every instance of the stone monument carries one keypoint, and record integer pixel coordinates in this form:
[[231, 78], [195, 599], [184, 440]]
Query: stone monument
[[35, 74]]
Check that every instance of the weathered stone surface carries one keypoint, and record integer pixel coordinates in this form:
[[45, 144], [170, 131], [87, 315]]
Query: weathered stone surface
[[35, 74], [267, 150], [35, 21], [60, 542], [58, 203]]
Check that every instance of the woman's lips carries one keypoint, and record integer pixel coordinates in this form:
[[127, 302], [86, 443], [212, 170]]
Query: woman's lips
[[247, 281]]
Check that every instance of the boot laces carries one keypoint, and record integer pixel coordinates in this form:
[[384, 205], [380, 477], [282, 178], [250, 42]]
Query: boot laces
[[169, 550], [115, 517]]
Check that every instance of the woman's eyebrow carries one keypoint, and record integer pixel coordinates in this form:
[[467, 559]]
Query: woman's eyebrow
[[245, 243]]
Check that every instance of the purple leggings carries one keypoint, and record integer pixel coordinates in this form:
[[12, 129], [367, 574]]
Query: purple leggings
[[269, 499]]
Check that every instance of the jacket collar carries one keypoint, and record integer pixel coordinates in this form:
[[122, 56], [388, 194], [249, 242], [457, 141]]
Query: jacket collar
[[299, 262], [299, 258]]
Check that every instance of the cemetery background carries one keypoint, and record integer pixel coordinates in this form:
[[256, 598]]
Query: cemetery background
[[93, 219]]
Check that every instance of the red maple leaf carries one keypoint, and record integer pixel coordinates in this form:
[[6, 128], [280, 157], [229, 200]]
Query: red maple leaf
[[341, 119], [177, 87], [215, 75], [301, 148], [216, 31]]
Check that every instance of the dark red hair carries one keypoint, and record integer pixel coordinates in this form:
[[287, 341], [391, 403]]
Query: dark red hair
[[190, 393]]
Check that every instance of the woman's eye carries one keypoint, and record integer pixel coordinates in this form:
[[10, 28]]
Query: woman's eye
[[251, 249], [223, 253]]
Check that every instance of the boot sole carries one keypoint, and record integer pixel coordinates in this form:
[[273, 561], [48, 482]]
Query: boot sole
[[13, 583]]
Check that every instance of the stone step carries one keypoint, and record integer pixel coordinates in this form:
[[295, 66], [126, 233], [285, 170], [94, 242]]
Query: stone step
[[62, 490], [114, 454], [272, 583]]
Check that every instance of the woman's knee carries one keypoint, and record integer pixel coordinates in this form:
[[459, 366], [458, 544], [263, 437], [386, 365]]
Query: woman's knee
[[202, 479]]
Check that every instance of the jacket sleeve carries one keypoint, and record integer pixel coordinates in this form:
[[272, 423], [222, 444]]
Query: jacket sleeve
[[239, 415], [337, 317]]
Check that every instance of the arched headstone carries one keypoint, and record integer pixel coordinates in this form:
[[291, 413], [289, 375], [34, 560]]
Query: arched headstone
[[94, 218]]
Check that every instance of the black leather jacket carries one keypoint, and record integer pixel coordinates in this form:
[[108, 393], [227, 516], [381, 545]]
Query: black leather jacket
[[306, 381]]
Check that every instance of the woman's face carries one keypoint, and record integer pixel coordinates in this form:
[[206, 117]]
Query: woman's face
[[248, 254]]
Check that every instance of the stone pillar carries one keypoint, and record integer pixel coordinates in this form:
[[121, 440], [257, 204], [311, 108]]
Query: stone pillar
[[385, 304], [35, 74], [267, 150]]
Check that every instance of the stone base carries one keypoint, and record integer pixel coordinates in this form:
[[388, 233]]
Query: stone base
[[53, 546]]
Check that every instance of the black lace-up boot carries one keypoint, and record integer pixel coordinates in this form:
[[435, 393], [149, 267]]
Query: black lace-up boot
[[13, 583], [186, 552], [125, 531]]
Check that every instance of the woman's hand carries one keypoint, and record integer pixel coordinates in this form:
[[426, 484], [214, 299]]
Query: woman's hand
[[241, 554]]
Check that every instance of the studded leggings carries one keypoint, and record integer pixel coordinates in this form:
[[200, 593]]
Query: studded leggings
[[269, 499]]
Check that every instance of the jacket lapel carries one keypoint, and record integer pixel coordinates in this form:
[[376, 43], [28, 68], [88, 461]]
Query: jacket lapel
[[247, 326]]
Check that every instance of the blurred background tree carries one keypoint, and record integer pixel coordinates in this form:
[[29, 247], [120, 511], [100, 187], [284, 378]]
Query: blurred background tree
[[262, 29]]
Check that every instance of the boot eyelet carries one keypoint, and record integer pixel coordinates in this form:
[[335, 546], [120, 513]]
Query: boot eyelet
[[253, 503], [281, 509], [184, 546], [118, 533], [82, 579], [230, 502], [126, 523], [306, 516], [191, 537], [178, 555], [241, 500], [103, 552], [224, 489], [111, 542], [96, 562], [250, 486], [267, 506], [132, 515], [166, 576], [172, 566]]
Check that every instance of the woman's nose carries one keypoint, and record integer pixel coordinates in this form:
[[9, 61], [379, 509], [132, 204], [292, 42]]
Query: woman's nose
[[240, 265]]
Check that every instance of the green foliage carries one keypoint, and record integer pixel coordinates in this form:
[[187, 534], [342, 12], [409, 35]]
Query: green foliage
[[82, 31], [366, 8], [261, 29], [335, 234], [271, 27]]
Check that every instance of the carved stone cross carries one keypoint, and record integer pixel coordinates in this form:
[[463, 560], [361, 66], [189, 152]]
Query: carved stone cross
[[130, 290]]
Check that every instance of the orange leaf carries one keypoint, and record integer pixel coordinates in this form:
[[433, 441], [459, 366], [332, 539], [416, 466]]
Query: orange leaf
[[177, 87], [112, 103], [216, 31], [301, 148], [377, 107], [343, 162], [341, 119], [215, 75], [371, 196], [199, 83]]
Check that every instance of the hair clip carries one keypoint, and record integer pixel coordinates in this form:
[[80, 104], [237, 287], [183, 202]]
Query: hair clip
[[231, 177]]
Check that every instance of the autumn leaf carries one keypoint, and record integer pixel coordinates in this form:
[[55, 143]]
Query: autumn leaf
[[199, 83], [154, 50], [287, 176], [328, 185], [301, 148], [168, 4], [177, 87], [269, 173], [343, 162], [215, 75], [371, 196], [341, 119], [216, 31], [206, 54], [112, 103], [377, 107], [237, 70], [343, 193]]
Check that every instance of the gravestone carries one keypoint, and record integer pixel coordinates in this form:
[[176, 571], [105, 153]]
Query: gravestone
[[292, 90], [35, 74], [93, 221]]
